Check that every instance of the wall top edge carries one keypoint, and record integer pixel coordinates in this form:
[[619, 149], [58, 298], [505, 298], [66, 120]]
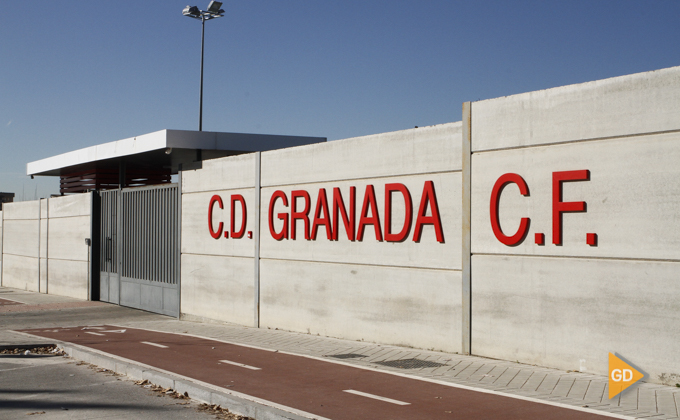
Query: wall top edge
[[420, 150], [621, 106], [449, 125], [408, 134], [21, 210], [398, 134], [585, 85], [75, 205]]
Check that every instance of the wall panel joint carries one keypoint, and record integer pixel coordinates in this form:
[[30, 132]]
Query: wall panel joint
[[466, 307]]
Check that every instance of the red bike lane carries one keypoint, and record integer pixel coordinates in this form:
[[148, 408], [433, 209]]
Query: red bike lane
[[324, 388]]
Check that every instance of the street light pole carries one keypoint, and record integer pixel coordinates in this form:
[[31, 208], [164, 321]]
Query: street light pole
[[200, 108], [214, 11]]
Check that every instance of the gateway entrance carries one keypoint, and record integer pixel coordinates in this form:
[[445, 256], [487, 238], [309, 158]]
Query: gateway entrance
[[140, 249]]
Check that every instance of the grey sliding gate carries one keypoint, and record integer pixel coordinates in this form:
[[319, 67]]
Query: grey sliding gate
[[139, 248]]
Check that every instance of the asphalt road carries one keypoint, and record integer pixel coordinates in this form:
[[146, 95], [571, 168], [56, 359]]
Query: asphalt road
[[57, 387]]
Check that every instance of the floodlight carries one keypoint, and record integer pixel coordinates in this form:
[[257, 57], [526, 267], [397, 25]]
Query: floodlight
[[191, 11], [215, 7]]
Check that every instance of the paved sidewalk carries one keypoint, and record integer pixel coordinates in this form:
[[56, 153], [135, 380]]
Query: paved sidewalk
[[570, 388]]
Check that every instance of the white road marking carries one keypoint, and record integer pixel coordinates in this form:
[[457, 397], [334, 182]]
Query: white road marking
[[154, 344], [114, 331], [93, 333], [93, 328], [241, 365], [376, 397]]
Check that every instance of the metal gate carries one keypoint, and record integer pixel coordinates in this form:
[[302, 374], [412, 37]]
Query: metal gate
[[139, 248]]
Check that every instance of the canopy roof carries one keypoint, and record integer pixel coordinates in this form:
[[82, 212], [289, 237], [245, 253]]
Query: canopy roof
[[151, 158], [152, 147]]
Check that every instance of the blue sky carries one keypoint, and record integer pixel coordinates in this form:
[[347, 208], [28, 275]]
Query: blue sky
[[73, 76]]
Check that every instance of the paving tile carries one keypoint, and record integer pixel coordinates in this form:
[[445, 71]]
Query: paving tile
[[629, 398], [315, 343], [619, 410], [549, 383], [666, 403], [371, 352], [443, 370], [382, 355], [579, 389], [595, 391], [520, 379], [468, 370], [361, 350], [459, 367], [419, 356], [287, 341], [456, 369], [647, 399], [650, 416], [534, 381], [394, 354], [506, 377], [644, 414], [481, 373], [492, 375]]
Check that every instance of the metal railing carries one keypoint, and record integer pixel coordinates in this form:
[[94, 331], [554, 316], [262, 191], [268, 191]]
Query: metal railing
[[150, 233]]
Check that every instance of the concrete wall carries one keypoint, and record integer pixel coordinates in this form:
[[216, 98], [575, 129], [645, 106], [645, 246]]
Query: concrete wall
[[392, 292], [218, 274], [568, 305], [67, 253], [44, 245], [21, 245], [403, 292]]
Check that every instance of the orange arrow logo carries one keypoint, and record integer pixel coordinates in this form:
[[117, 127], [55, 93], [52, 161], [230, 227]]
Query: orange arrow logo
[[621, 376]]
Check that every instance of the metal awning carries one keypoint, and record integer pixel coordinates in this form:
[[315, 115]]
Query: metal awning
[[151, 158]]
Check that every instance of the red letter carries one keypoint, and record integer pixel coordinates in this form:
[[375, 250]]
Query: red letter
[[504, 180], [234, 199], [295, 215], [369, 201], [339, 209], [322, 206], [430, 198], [215, 234], [560, 206], [397, 237], [282, 216]]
